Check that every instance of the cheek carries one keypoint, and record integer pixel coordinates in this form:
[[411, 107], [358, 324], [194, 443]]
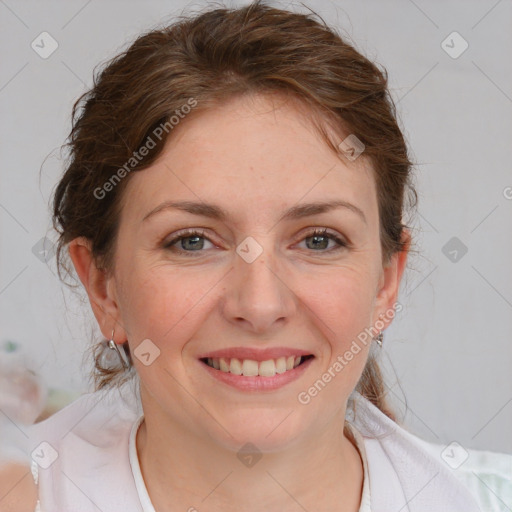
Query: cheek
[[343, 312], [166, 305], [343, 298], [161, 310]]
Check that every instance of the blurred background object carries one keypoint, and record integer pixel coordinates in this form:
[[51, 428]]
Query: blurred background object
[[24, 396], [23, 393], [24, 399]]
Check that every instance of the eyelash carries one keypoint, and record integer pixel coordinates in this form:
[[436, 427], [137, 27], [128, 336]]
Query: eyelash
[[195, 232]]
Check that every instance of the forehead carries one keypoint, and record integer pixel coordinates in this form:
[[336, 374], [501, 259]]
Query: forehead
[[254, 155]]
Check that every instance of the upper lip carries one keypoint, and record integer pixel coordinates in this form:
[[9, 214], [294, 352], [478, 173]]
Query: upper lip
[[256, 354]]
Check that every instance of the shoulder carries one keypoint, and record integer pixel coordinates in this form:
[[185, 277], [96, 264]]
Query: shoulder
[[398, 460], [88, 437], [107, 410], [488, 475], [18, 490]]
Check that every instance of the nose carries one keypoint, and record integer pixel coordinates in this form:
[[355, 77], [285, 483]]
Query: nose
[[257, 296]]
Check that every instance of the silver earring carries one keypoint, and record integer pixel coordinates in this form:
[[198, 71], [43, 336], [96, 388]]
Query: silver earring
[[114, 356], [379, 339]]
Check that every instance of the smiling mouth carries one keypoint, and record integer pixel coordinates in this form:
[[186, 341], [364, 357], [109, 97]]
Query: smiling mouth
[[252, 368]]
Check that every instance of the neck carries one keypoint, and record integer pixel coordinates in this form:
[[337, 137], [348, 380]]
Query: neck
[[187, 472]]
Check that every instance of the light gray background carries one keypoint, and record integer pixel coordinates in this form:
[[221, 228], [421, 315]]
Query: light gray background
[[451, 347]]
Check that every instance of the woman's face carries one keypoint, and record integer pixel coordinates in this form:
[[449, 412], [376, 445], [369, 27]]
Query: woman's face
[[255, 279]]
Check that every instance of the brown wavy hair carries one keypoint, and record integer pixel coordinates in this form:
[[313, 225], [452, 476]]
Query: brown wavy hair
[[212, 57]]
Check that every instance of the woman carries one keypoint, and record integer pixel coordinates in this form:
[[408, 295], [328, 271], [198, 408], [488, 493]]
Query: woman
[[233, 207]]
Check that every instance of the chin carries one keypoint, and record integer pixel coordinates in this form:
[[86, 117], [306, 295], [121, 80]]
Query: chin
[[271, 431]]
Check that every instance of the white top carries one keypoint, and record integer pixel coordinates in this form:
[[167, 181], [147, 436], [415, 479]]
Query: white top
[[84, 458], [145, 500]]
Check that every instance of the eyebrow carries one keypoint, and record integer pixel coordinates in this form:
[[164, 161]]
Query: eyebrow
[[216, 212]]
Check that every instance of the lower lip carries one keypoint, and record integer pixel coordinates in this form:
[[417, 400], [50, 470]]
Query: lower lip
[[258, 383]]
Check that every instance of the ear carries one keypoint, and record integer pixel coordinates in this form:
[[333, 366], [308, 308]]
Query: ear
[[100, 289], [389, 282]]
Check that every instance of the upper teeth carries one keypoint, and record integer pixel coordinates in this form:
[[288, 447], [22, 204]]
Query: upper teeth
[[251, 368]]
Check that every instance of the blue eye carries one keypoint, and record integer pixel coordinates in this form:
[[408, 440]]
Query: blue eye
[[190, 234], [325, 235], [192, 240]]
